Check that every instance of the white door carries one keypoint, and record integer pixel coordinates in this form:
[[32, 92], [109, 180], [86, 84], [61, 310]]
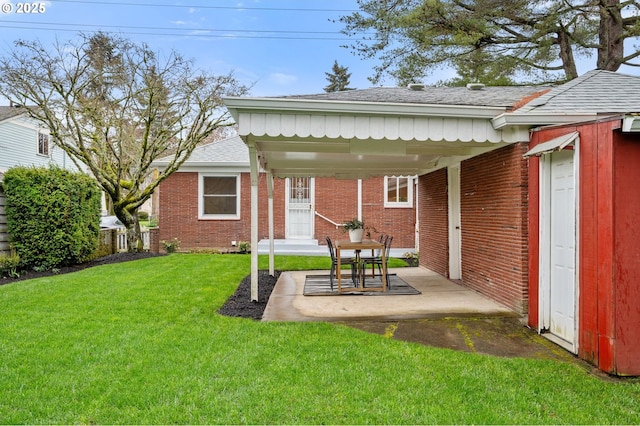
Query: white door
[[558, 248], [299, 209], [455, 233]]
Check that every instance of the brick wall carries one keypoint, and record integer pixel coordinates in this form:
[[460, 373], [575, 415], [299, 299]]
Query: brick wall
[[334, 199], [178, 215], [434, 221], [397, 222], [493, 207], [338, 201], [494, 225]]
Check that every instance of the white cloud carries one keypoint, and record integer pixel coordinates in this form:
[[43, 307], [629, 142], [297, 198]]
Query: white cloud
[[282, 79]]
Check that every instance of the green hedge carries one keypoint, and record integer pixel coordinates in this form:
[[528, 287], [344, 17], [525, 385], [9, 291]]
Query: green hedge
[[53, 216]]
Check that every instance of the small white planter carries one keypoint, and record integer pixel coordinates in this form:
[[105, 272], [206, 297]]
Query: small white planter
[[355, 235]]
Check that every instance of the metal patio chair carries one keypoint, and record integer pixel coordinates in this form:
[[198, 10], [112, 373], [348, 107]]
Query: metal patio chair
[[343, 261]]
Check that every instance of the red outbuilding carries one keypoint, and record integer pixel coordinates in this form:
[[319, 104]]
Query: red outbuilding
[[584, 211]]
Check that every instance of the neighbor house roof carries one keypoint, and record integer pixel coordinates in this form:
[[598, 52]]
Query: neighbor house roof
[[230, 152], [7, 112]]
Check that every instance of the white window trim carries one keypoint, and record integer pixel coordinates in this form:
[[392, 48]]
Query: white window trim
[[201, 214], [402, 204], [38, 133]]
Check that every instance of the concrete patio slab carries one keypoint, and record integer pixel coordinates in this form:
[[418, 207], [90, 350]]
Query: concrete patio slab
[[440, 297], [446, 315]]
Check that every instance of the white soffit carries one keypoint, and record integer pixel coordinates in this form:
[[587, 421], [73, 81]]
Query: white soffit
[[556, 144]]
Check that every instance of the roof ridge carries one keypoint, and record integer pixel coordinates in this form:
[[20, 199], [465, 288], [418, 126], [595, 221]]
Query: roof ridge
[[559, 90]]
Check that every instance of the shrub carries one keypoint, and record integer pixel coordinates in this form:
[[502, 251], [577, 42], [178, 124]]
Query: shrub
[[9, 264], [244, 247], [53, 216], [143, 215], [412, 258], [171, 246]]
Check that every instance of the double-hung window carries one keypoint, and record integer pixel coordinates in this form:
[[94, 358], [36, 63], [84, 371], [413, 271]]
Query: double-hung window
[[219, 196], [43, 143], [398, 191]]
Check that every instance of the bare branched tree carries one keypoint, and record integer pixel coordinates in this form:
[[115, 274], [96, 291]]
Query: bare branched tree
[[115, 106]]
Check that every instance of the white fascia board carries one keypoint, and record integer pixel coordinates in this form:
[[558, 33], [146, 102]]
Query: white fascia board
[[274, 105], [631, 123], [533, 119], [213, 167], [198, 166]]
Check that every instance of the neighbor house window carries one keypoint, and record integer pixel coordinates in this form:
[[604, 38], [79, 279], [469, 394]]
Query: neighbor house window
[[43, 143], [219, 197], [398, 191]]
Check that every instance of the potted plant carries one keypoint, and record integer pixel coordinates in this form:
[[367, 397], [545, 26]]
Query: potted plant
[[356, 229]]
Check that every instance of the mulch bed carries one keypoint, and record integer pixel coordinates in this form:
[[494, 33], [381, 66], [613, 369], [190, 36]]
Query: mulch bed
[[238, 305], [105, 260]]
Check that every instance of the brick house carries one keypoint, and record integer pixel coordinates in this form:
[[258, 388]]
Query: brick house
[[305, 209], [487, 216]]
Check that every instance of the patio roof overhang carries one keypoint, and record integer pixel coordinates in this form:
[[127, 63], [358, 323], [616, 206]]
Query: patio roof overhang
[[350, 140], [293, 137]]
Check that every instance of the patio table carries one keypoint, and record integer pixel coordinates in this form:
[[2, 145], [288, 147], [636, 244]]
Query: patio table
[[358, 247]]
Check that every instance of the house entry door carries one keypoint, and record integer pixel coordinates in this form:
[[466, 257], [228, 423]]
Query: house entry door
[[300, 212], [558, 248]]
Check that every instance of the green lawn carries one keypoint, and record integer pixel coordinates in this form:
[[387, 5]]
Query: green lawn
[[141, 343]]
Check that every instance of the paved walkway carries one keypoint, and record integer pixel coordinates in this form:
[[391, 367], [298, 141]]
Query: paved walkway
[[446, 315]]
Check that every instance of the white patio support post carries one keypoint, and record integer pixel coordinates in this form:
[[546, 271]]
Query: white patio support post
[[255, 178], [271, 244], [360, 199]]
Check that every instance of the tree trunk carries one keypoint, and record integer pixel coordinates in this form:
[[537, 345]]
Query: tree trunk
[[611, 36], [566, 55], [134, 236]]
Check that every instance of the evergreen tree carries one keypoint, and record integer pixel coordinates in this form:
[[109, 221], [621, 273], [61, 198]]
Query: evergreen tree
[[526, 40], [338, 79]]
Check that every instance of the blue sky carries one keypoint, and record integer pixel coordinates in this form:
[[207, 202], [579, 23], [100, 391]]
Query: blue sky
[[282, 47]]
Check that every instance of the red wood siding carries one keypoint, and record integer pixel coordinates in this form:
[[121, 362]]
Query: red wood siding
[[494, 225], [609, 244], [626, 259], [434, 219]]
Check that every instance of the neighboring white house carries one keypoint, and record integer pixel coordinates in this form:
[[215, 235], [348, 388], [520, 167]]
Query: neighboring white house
[[23, 142]]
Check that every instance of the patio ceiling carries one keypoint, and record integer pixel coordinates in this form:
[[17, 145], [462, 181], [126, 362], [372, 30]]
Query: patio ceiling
[[309, 137]]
